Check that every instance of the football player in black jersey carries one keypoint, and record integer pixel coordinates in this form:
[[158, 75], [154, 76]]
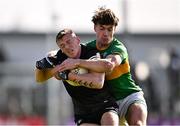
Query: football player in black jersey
[[93, 104]]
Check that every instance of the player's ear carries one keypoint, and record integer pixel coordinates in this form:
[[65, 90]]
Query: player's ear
[[78, 39], [114, 28], [95, 28]]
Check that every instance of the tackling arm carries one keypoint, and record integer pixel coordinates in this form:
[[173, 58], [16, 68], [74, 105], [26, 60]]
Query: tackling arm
[[98, 65], [101, 65]]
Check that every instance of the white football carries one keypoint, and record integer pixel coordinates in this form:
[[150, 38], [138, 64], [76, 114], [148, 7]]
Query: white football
[[78, 70]]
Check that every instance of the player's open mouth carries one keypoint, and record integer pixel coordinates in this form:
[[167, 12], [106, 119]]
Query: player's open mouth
[[105, 40]]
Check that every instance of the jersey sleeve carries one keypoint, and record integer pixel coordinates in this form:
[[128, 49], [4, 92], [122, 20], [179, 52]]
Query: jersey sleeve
[[118, 48]]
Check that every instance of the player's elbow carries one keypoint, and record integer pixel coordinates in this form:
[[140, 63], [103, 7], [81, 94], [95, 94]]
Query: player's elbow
[[99, 86], [108, 66], [39, 80], [99, 83]]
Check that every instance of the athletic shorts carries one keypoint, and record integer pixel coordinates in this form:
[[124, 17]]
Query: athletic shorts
[[94, 118], [137, 97]]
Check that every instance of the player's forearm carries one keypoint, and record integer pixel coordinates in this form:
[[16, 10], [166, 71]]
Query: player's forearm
[[95, 81], [99, 65], [44, 74]]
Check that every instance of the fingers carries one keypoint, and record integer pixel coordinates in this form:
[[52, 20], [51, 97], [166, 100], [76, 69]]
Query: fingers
[[68, 64], [59, 68]]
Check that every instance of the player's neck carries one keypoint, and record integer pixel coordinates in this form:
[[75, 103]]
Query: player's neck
[[101, 46], [79, 53]]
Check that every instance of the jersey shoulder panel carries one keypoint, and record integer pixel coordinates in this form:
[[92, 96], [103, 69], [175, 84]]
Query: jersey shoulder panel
[[91, 44], [60, 57], [116, 47]]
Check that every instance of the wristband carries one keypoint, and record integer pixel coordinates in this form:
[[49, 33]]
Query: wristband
[[63, 75]]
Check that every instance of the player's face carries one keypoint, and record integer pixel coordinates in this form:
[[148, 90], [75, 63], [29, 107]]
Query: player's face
[[70, 45], [104, 35]]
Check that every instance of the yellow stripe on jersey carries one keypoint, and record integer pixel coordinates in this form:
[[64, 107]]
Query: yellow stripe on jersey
[[73, 83], [118, 71]]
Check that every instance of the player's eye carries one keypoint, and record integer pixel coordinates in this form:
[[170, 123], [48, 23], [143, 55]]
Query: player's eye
[[110, 29], [101, 28], [68, 42]]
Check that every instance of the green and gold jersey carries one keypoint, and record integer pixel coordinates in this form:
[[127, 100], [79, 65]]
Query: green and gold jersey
[[120, 80]]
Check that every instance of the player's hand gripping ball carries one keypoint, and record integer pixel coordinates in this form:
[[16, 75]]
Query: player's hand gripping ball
[[77, 71], [80, 70]]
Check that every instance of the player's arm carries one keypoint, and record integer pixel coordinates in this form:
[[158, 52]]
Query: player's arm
[[98, 65], [90, 80], [43, 75], [45, 67], [44, 70], [101, 65]]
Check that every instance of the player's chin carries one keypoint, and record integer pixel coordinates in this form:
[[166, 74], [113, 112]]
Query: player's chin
[[71, 55]]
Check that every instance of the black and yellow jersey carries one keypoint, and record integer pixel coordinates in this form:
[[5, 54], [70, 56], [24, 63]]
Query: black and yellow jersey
[[87, 100]]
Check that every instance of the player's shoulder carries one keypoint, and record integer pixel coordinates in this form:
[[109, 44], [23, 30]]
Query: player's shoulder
[[117, 44], [91, 44], [61, 56], [86, 52], [117, 41], [87, 48]]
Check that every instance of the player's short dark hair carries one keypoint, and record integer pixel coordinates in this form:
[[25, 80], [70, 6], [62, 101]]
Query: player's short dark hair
[[105, 16], [62, 33]]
